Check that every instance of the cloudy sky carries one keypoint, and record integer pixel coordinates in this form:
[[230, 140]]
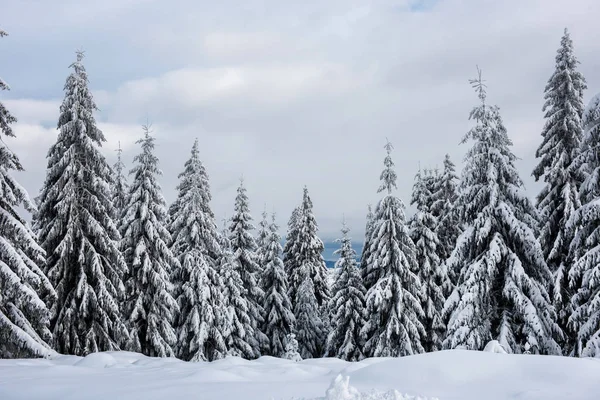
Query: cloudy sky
[[291, 93]]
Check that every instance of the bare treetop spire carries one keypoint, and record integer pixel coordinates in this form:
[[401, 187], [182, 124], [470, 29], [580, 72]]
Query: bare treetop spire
[[388, 146], [479, 85], [80, 54]]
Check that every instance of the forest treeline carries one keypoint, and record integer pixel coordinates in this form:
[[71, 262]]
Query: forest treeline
[[106, 264]]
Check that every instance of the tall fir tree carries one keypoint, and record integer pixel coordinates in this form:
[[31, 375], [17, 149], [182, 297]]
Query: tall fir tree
[[366, 250], [559, 198], [444, 210], [501, 294], [76, 229], [279, 317], [263, 241], [150, 307], [197, 281], [307, 255], [290, 260], [238, 329], [120, 186], [244, 248], [24, 317], [310, 330], [584, 276], [432, 274], [347, 304], [394, 312]]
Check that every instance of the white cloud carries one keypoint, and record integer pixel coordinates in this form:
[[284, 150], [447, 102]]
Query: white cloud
[[34, 111], [239, 44]]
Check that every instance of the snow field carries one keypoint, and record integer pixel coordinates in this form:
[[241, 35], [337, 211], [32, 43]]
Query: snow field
[[445, 375]]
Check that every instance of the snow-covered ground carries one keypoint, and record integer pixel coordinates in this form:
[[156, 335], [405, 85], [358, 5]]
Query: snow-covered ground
[[456, 374]]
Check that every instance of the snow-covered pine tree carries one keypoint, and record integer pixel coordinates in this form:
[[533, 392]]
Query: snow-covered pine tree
[[120, 186], [443, 208], [262, 241], [291, 348], [310, 331], [501, 294], [366, 251], [150, 307], [584, 276], [237, 327], [308, 254], [198, 284], [431, 272], [305, 259], [243, 247], [559, 198], [394, 312], [290, 249], [76, 229], [347, 304], [195, 178], [24, 317], [279, 317]]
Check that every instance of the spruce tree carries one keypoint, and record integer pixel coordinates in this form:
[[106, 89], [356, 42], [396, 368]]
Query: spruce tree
[[245, 262], [307, 254], [150, 307], [279, 316], [237, 328], [394, 312], [120, 187], [431, 273], [444, 209], [559, 198], [263, 241], [77, 230], [501, 293], [24, 317], [347, 304], [305, 261], [291, 348], [198, 284], [584, 276], [290, 249], [310, 331], [368, 281]]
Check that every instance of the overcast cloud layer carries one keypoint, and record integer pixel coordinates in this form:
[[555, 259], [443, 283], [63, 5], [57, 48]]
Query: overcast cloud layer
[[291, 93]]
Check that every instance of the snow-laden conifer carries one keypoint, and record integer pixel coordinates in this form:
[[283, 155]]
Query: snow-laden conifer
[[443, 208], [290, 253], [150, 307], [76, 229], [347, 304], [559, 198], [307, 254], [24, 317], [501, 293], [394, 312], [199, 287], [431, 273], [238, 329], [584, 276], [243, 247], [120, 186], [310, 331], [263, 241], [291, 348], [279, 317], [366, 250]]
